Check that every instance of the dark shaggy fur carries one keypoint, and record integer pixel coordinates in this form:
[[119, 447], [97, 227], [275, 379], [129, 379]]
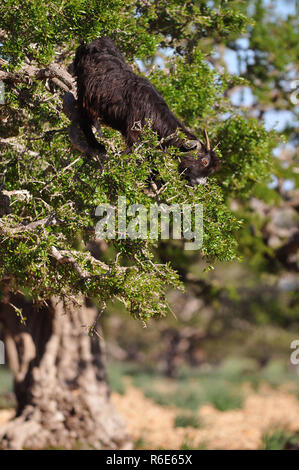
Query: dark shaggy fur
[[110, 91]]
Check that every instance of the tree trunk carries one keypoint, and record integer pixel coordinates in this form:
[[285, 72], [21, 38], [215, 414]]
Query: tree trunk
[[60, 382]]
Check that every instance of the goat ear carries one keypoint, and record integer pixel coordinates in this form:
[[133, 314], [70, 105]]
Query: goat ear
[[190, 144]]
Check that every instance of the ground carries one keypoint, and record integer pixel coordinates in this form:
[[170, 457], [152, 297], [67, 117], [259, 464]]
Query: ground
[[153, 426]]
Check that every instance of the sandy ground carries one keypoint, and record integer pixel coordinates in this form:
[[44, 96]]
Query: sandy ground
[[236, 429], [153, 425]]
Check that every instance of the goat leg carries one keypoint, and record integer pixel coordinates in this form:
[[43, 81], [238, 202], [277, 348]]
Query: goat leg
[[86, 126]]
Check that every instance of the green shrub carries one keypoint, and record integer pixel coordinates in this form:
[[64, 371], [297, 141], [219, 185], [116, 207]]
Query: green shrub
[[223, 398], [277, 439], [189, 446], [6, 380], [185, 420], [115, 379]]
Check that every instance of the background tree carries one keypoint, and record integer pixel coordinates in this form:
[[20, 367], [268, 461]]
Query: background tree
[[48, 198]]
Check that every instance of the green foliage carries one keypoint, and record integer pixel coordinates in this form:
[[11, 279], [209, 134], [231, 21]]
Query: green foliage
[[223, 398], [183, 25], [5, 380], [139, 444], [115, 379], [187, 420], [40, 30], [274, 40], [7, 399], [277, 439], [187, 445], [277, 372], [247, 148], [191, 88]]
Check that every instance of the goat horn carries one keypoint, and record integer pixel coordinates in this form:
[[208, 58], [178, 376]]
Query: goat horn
[[207, 139]]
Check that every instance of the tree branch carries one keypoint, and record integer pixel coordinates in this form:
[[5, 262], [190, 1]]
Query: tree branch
[[55, 72], [10, 231], [67, 257]]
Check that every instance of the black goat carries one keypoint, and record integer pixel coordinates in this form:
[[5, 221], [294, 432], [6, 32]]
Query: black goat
[[110, 91]]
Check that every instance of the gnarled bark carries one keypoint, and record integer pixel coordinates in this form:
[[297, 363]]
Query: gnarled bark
[[60, 382]]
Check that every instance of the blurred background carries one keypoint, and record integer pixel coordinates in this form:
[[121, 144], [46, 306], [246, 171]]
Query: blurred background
[[217, 372]]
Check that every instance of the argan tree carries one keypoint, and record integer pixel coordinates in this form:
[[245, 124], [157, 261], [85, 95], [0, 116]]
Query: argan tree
[[56, 278]]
